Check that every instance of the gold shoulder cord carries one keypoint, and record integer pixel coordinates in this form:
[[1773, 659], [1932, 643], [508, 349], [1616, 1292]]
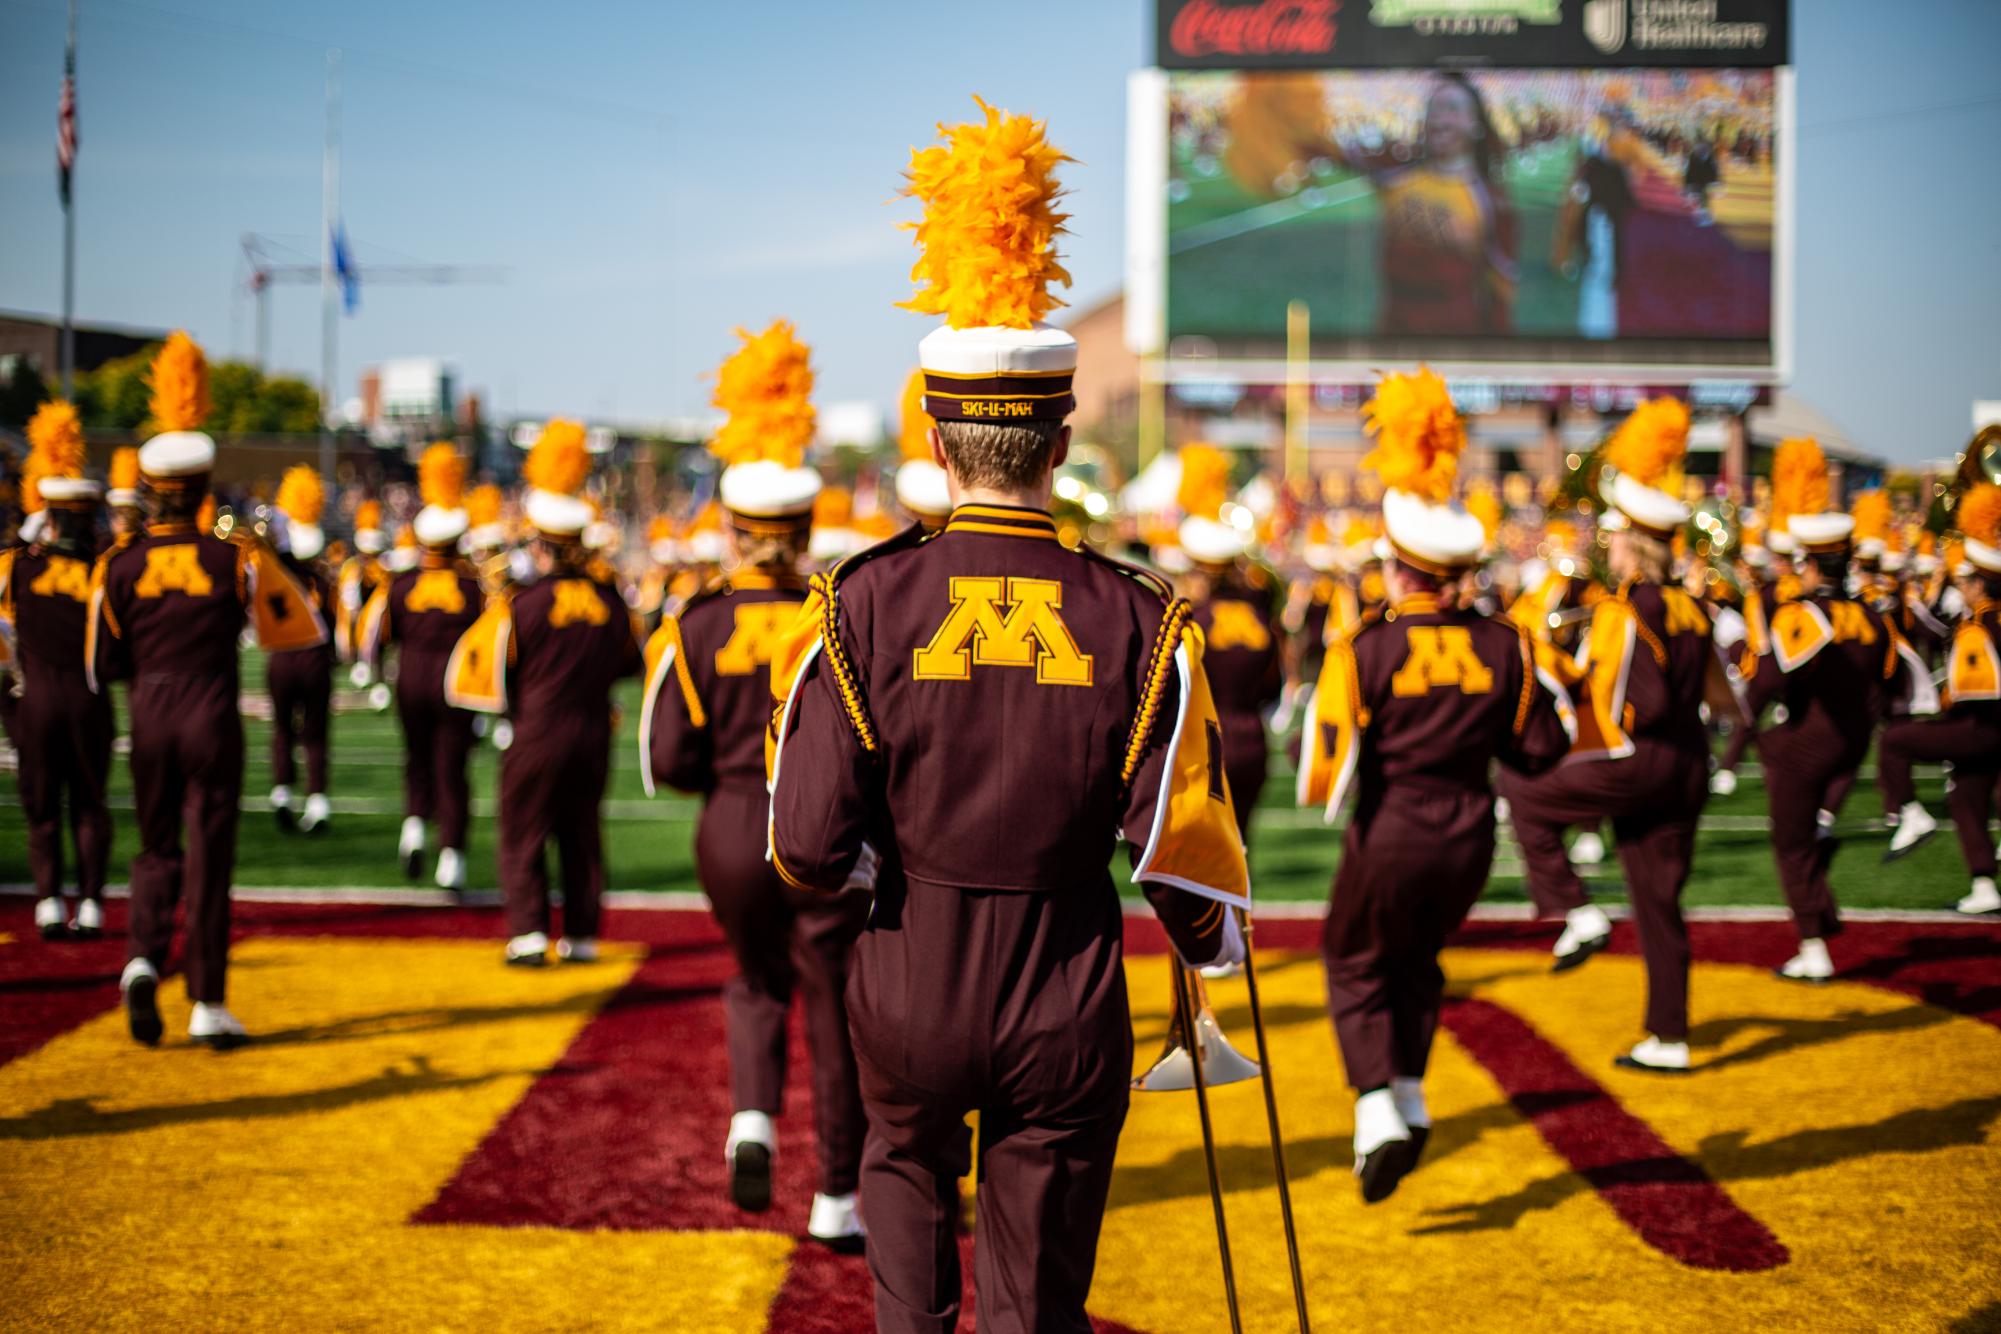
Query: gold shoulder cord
[[837, 661], [1172, 625]]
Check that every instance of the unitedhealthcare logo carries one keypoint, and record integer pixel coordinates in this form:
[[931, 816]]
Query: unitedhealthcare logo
[[1605, 24]]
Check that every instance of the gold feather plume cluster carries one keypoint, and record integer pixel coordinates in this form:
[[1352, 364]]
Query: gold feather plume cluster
[[301, 495], [55, 449], [1205, 481], [180, 385], [1799, 480], [766, 387], [1358, 530], [660, 529], [559, 462], [834, 507], [988, 237], [913, 423], [1651, 443], [1484, 504], [125, 469], [1871, 512], [367, 515], [1979, 517], [483, 506], [1419, 436], [441, 476]]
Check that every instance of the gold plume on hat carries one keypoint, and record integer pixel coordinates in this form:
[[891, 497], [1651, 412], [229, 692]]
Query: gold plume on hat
[[1484, 504], [483, 506], [660, 529], [301, 496], [766, 387], [367, 515], [124, 470], [1979, 516], [180, 385], [1650, 444], [988, 236], [1799, 480], [56, 436], [913, 423], [1871, 512], [834, 507], [1358, 530], [1419, 436], [441, 476], [558, 462], [1205, 481]]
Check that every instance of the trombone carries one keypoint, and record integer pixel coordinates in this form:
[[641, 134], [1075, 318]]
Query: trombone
[[1199, 1056]]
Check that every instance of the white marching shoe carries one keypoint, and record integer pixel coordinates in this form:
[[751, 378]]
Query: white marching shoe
[[281, 806], [1409, 1097], [452, 870], [89, 922], [318, 811], [1503, 812], [1982, 898], [1588, 849], [1650, 1053], [1586, 931], [1384, 1153], [1823, 824], [51, 919], [528, 951], [215, 1026], [410, 847], [835, 1224], [1723, 783], [1811, 964], [749, 1152], [140, 985], [1914, 826], [577, 949]]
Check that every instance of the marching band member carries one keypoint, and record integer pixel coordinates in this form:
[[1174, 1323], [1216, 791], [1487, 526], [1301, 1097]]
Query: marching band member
[[424, 612], [122, 497], [300, 681], [1969, 735], [707, 703], [663, 553], [62, 729], [1641, 756], [548, 654], [166, 611], [1414, 706], [1241, 638], [920, 483], [360, 575], [987, 710], [1832, 662]]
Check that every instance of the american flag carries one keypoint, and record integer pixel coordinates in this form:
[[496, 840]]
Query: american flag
[[66, 129]]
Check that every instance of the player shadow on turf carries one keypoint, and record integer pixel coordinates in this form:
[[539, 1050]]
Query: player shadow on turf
[[1729, 1157], [1246, 1167], [1983, 1320], [1784, 1035], [436, 1018], [70, 1118]]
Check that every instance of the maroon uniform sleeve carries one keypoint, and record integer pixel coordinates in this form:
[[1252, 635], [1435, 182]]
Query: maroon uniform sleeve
[[1540, 740], [680, 745], [820, 787]]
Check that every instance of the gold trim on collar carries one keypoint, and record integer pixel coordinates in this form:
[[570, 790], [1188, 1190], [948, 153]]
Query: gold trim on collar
[[1002, 521]]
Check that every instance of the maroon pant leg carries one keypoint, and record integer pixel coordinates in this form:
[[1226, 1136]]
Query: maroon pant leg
[[62, 734], [1974, 750], [1245, 761], [158, 789], [1540, 808], [911, 1164], [823, 943], [580, 829], [1971, 801], [43, 767], [1041, 1204], [1735, 745], [315, 714], [1412, 867], [1656, 854], [1796, 781], [528, 779], [90, 813], [451, 750]]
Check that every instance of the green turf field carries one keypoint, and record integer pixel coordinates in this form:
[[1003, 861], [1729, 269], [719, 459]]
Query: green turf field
[[1236, 260], [650, 841]]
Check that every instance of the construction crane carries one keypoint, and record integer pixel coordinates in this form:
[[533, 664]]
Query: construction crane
[[269, 261]]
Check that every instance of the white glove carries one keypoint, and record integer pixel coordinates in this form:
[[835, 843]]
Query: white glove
[[1230, 952], [867, 867], [360, 676]]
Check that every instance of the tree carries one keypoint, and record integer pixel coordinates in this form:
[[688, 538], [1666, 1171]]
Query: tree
[[242, 399]]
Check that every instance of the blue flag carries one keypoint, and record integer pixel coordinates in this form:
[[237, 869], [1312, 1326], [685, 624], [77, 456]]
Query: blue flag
[[344, 270]]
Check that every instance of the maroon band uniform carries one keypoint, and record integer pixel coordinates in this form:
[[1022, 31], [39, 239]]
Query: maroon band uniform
[[300, 682], [1415, 706], [709, 705], [1968, 737], [965, 713], [1244, 656], [425, 612], [572, 639], [62, 729], [172, 606]]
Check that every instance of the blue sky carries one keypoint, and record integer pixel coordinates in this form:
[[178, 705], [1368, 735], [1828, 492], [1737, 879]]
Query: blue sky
[[652, 174]]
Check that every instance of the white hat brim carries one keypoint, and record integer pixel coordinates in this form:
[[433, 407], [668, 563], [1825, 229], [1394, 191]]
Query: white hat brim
[[437, 527], [177, 454], [1212, 541], [922, 488], [1444, 537], [767, 489], [557, 515]]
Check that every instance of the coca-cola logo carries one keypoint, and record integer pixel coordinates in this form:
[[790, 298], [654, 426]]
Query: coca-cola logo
[[1263, 28]]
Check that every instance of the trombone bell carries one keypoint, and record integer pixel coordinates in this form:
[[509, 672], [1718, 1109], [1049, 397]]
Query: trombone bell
[[1175, 1070]]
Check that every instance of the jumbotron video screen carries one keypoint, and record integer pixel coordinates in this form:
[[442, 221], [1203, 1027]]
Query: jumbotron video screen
[[1524, 215]]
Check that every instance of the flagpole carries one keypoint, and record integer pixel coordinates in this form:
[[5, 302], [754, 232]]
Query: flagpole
[[69, 224], [329, 309]]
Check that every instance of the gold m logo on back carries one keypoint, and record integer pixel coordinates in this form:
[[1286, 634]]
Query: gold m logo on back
[[1438, 656], [1031, 635], [178, 567], [577, 603], [760, 629], [63, 578]]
